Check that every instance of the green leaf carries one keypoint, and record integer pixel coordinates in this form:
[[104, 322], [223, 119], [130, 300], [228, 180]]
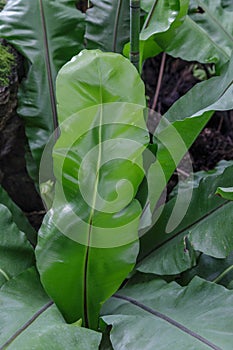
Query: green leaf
[[16, 253], [146, 5], [211, 269], [160, 26], [163, 18], [88, 242], [48, 34], [227, 4], [161, 15], [201, 228], [18, 217], [97, 70], [179, 128], [205, 37], [225, 192], [107, 25], [149, 313], [216, 22], [29, 320]]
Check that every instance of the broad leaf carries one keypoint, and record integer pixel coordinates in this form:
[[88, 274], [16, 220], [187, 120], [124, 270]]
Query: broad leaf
[[151, 314], [212, 269], [18, 216], [29, 320], [161, 15], [205, 37], [201, 228], [225, 192], [107, 25], [88, 242], [16, 253], [48, 34]]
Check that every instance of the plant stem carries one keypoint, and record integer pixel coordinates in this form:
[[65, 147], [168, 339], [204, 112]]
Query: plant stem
[[134, 32], [160, 78], [223, 274]]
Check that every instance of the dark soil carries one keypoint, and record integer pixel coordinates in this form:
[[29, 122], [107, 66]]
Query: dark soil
[[214, 143], [216, 140]]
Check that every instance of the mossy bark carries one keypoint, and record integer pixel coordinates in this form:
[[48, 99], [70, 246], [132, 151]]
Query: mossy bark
[[13, 173], [7, 61]]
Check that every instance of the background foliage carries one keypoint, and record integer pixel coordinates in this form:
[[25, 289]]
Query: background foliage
[[177, 292]]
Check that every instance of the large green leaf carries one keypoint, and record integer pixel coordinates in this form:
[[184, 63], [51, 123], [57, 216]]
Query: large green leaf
[[48, 34], [205, 37], [88, 242], [201, 229], [161, 15], [151, 314], [18, 216], [29, 320], [107, 25], [16, 253]]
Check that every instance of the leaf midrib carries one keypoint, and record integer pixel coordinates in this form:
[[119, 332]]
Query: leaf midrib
[[48, 68], [90, 221], [168, 320], [215, 20], [204, 33], [150, 15], [26, 325], [180, 232]]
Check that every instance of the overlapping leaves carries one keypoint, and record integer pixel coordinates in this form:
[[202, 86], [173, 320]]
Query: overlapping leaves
[[149, 311], [201, 229], [203, 34], [29, 320], [47, 34], [93, 257], [107, 25]]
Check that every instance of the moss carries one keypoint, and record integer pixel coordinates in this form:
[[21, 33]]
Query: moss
[[6, 62]]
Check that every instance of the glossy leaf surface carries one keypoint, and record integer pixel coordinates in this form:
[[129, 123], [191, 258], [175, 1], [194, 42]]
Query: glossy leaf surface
[[212, 269], [201, 228], [29, 320], [206, 35], [161, 15], [48, 34], [225, 192], [18, 217], [16, 253], [107, 25], [87, 248], [149, 313]]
